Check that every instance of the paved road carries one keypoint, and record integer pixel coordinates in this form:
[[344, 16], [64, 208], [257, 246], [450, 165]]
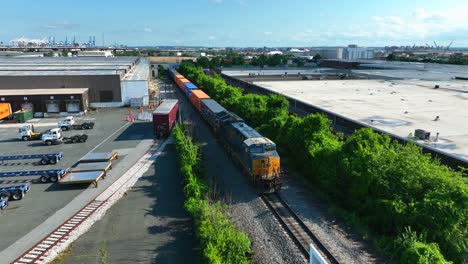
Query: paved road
[[47, 205], [148, 225]]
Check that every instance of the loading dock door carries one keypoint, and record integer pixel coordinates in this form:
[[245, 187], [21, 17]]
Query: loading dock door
[[52, 106], [27, 106], [73, 106]]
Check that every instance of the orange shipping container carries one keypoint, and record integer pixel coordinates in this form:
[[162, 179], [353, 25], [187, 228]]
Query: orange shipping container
[[180, 84], [5, 110], [196, 98]]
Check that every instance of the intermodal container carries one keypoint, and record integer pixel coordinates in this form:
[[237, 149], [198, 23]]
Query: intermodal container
[[5, 110], [197, 97], [188, 87], [180, 82], [165, 117]]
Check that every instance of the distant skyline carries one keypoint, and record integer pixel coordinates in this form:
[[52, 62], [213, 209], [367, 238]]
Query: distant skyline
[[240, 23]]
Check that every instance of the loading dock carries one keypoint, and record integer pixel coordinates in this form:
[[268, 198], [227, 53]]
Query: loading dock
[[47, 102]]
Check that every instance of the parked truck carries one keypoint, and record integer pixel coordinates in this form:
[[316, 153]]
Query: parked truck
[[69, 123], [165, 117], [5, 110], [55, 137], [27, 132]]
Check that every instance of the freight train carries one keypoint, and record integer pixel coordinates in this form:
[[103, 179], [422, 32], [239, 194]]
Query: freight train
[[256, 154]]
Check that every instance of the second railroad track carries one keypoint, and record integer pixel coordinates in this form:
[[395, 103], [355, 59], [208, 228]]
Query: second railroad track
[[295, 227]]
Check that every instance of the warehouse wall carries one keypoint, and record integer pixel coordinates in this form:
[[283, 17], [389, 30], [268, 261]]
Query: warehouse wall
[[134, 89], [102, 88]]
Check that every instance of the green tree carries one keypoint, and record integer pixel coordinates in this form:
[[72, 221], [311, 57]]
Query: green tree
[[275, 60], [203, 62], [317, 57], [391, 57]]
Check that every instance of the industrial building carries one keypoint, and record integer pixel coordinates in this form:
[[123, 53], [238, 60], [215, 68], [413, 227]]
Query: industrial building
[[109, 82], [328, 53], [352, 52]]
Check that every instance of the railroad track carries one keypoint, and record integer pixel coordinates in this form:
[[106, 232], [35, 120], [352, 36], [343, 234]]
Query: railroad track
[[295, 227], [36, 254]]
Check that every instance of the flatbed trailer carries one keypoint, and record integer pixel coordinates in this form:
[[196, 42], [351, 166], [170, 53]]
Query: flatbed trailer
[[81, 177], [14, 193], [46, 175], [51, 158], [99, 157]]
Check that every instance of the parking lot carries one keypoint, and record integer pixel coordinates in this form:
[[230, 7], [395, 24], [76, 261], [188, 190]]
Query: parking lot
[[24, 222]]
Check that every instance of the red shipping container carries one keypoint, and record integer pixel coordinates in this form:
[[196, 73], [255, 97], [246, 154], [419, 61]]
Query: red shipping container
[[165, 117], [196, 98]]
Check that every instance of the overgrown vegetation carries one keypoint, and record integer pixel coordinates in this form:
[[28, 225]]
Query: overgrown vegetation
[[415, 205], [220, 240]]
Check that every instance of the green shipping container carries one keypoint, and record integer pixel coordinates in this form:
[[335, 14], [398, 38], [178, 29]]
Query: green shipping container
[[22, 116]]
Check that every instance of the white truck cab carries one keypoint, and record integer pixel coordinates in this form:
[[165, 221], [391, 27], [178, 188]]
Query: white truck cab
[[67, 122], [53, 136], [26, 132]]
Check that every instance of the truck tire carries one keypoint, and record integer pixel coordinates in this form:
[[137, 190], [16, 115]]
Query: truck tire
[[44, 178], [64, 128], [17, 195], [82, 139], [53, 160], [5, 195], [25, 138], [53, 178], [48, 142], [83, 126], [74, 140], [44, 161]]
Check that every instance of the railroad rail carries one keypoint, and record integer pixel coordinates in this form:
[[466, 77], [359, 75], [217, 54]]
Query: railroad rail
[[295, 227], [59, 235]]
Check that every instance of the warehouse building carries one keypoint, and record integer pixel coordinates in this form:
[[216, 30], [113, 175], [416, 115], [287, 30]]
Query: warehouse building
[[48, 102], [110, 82]]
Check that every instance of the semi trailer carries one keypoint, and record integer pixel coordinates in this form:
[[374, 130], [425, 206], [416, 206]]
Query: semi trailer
[[51, 158]]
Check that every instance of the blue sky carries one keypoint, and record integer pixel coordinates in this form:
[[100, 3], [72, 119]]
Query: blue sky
[[301, 23]]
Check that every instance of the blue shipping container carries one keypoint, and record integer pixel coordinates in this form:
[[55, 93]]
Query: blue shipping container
[[189, 87]]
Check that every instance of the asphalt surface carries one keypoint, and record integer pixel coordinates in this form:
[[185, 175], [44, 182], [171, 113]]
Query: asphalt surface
[[148, 225], [47, 205]]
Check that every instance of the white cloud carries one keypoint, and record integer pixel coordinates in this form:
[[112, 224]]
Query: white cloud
[[242, 2], [211, 37], [420, 25], [147, 29], [61, 26], [268, 33]]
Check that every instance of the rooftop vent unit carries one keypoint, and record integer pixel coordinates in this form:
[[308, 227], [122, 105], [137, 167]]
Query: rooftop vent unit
[[422, 134]]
